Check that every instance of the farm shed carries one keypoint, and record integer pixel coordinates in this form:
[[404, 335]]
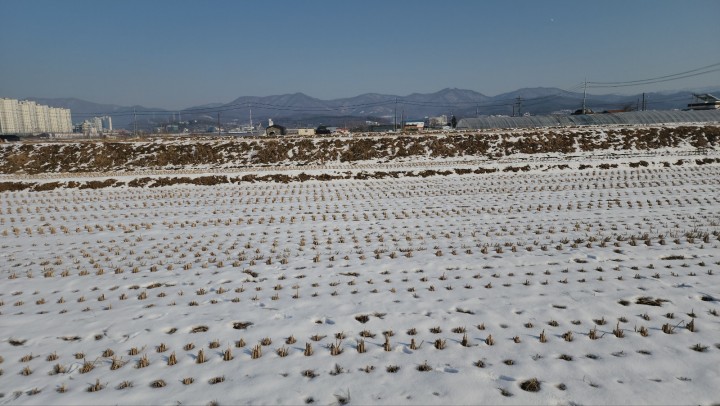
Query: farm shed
[[275, 130]]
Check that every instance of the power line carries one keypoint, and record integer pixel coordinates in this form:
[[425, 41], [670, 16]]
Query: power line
[[657, 81], [666, 78]]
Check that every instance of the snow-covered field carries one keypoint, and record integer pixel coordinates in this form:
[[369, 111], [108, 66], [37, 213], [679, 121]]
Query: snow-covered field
[[601, 285]]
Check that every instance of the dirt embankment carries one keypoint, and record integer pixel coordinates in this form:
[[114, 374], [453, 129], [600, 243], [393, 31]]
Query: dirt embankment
[[103, 156], [210, 180]]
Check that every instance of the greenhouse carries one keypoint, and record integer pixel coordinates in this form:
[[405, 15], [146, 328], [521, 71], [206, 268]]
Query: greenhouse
[[626, 118]]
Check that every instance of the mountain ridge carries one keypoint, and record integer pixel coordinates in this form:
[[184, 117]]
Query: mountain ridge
[[296, 108]]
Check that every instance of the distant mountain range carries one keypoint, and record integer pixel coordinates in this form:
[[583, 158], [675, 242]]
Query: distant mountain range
[[299, 109]]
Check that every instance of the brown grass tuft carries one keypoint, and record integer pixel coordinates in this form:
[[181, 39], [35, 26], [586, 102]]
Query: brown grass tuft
[[282, 351], [649, 301], [531, 385], [691, 326], [143, 362], [227, 354], [216, 380], [124, 385], [256, 352], [96, 387], [593, 334], [362, 318], [200, 359], [58, 369], [618, 332], [117, 363], [424, 367], [242, 325], [172, 359], [699, 347], [336, 348], [361, 346], [86, 367]]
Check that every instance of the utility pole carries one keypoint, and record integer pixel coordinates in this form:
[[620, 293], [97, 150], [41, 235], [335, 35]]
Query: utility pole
[[218, 123], [644, 105], [519, 104], [134, 123], [584, 96], [477, 111], [395, 116], [252, 130]]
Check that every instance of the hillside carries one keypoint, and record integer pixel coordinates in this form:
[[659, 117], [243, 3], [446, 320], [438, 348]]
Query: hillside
[[300, 109]]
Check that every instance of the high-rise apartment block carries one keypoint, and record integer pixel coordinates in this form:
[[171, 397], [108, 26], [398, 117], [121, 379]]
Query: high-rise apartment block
[[95, 126], [26, 117], [9, 119], [106, 123]]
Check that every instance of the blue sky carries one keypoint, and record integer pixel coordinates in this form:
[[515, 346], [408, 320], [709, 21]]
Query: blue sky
[[175, 54]]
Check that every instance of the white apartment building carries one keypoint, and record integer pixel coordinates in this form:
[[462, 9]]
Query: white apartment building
[[8, 116], [60, 121], [28, 117], [43, 118], [106, 123], [97, 124], [65, 121]]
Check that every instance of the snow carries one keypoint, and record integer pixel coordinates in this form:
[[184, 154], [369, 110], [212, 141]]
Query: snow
[[511, 253]]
